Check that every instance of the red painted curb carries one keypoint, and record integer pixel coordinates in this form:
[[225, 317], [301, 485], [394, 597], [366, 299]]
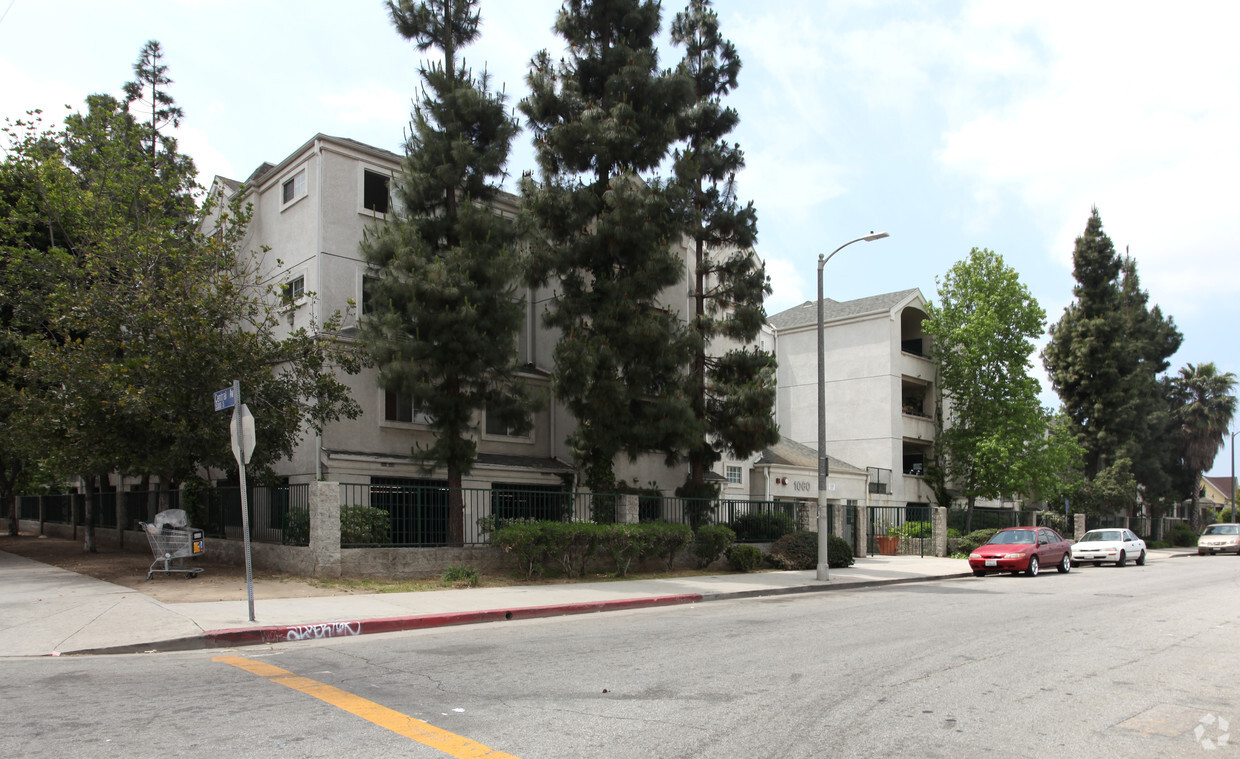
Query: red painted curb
[[318, 631]]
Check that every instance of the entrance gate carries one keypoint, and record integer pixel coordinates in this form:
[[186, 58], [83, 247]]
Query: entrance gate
[[900, 530]]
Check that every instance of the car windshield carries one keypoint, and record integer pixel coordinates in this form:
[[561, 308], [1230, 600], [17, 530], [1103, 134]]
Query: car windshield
[[1010, 537], [1222, 529], [1102, 535]]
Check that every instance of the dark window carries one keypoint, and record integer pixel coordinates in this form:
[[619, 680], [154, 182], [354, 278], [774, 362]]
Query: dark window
[[374, 192], [495, 427], [397, 407]]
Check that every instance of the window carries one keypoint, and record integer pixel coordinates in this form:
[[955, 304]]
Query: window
[[733, 474], [293, 188], [293, 290], [374, 191], [399, 408], [495, 427]]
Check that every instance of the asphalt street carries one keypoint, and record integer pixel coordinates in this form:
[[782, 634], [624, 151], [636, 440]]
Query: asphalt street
[[1101, 661]]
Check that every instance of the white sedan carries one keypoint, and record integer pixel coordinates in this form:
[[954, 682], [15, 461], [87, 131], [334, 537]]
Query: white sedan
[[1111, 545]]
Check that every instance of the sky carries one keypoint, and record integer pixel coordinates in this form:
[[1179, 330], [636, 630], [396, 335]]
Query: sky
[[949, 124]]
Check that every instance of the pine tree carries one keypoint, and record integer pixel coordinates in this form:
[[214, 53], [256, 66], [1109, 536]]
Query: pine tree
[[1104, 358], [606, 232], [732, 393], [445, 311], [150, 91]]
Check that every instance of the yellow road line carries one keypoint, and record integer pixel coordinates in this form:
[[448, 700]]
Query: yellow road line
[[401, 724]]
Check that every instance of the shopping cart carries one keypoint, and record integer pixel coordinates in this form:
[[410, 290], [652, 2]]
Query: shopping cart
[[172, 540]]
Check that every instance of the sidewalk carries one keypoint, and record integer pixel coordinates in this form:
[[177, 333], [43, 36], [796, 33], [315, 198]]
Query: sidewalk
[[50, 611]]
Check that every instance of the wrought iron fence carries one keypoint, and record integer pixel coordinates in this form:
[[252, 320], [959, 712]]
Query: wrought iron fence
[[903, 530], [987, 519], [1139, 525], [396, 514]]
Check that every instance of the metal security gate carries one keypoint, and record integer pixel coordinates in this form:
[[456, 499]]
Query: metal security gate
[[900, 530]]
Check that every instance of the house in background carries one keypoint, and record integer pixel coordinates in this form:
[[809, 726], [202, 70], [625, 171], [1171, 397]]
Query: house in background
[[1215, 493]]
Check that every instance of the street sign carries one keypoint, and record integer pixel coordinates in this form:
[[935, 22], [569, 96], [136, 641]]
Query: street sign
[[242, 443], [226, 398]]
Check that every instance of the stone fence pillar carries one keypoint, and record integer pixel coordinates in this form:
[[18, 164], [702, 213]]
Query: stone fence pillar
[[938, 519], [325, 528], [1078, 526], [628, 509]]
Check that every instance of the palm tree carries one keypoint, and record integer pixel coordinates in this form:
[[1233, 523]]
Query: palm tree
[[1203, 407]]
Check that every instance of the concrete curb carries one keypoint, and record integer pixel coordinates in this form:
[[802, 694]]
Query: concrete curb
[[271, 634]]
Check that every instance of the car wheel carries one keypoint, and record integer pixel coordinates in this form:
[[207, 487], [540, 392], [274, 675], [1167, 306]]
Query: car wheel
[[1097, 563], [1141, 559], [1122, 560], [1076, 564], [1065, 564], [1032, 571], [978, 573], [1201, 552]]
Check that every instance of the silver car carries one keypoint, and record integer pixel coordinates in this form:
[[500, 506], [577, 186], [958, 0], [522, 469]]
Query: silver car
[[1219, 538], [1111, 545]]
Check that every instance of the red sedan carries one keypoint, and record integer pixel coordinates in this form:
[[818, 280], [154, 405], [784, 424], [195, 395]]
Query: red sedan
[[1022, 549]]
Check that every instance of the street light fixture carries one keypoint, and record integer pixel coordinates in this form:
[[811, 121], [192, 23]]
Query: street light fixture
[[1232, 485], [823, 536]]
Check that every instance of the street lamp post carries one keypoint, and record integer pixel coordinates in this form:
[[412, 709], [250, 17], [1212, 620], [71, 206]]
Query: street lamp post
[[1232, 485], [823, 536]]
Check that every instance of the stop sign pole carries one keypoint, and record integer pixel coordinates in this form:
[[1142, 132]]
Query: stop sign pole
[[241, 430]]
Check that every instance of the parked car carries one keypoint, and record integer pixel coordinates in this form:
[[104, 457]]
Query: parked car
[[1111, 545], [1219, 538], [1022, 549]]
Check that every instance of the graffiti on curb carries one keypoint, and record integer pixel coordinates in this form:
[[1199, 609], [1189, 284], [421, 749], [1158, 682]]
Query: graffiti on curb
[[325, 630]]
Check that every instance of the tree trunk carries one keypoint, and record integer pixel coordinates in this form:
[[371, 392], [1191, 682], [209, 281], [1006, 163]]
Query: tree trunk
[[88, 518], [456, 509]]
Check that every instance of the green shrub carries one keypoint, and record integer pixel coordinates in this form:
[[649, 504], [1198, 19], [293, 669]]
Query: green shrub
[[297, 528], [952, 533], [911, 530], [839, 553], [969, 543], [1226, 514], [363, 525], [625, 542], [761, 526], [1151, 544], [667, 540], [459, 575], [744, 558], [570, 543], [524, 541], [800, 551], [712, 540], [1182, 535]]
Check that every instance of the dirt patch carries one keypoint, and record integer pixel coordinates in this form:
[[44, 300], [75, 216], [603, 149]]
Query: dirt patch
[[218, 582]]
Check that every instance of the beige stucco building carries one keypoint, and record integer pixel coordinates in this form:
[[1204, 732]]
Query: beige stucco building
[[880, 393], [311, 211]]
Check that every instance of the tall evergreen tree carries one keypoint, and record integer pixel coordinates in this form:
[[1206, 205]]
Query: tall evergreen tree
[[732, 391], [1104, 358], [606, 232], [149, 92], [445, 311], [994, 431]]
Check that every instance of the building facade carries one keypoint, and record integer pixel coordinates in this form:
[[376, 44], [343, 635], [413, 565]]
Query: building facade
[[880, 391]]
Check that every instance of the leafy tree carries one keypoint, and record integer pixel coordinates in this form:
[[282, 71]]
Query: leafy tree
[[1104, 358], [983, 329], [139, 315], [605, 229], [446, 314], [733, 393], [1202, 409]]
